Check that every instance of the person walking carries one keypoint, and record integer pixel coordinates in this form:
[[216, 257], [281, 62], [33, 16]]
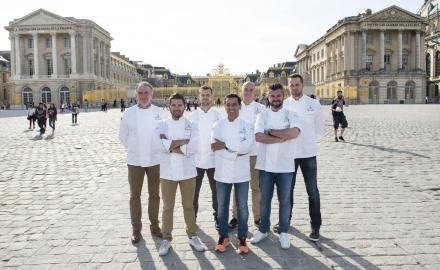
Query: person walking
[[41, 115], [75, 112], [31, 115], [52, 113]]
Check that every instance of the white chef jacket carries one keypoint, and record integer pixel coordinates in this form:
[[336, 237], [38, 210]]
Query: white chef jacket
[[138, 134], [312, 116], [204, 121], [276, 157], [238, 136], [249, 113], [177, 166]]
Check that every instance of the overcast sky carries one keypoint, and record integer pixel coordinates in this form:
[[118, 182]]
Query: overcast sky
[[194, 36]]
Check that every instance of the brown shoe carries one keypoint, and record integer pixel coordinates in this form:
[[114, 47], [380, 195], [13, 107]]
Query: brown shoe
[[156, 231], [136, 236]]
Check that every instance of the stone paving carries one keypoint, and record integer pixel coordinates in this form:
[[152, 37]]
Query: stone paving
[[64, 200]]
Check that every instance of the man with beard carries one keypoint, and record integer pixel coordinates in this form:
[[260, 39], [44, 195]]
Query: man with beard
[[339, 116], [204, 118], [306, 146], [179, 140], [274, 130], [249, 111], [139, 135]]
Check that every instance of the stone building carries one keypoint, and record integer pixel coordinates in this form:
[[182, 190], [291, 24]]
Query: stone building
[[372, 57]]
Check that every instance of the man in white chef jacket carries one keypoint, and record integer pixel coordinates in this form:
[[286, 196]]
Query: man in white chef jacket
[[177, 169], [204, 118], [137, 134], [306, 147], [249, 111], [232, 140], [275, 130]]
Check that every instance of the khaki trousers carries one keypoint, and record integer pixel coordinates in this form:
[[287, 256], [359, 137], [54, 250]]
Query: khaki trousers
[[187, 190], [136, 180], [255, 190]]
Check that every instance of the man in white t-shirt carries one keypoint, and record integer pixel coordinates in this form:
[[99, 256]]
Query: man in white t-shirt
[[275, 130], [306, 147], [204, 118], [179, 138], [249, 111], [139, 137], [232, 140]]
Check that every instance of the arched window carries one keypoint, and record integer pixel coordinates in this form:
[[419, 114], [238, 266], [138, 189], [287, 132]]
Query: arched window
[[392, 92], [437, 64], [373, 92], [64, 95], [410, 87], [27, 96], [428, 64], [46, 96]]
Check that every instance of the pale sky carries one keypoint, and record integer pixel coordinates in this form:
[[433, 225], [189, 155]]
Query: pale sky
[[194, 36]]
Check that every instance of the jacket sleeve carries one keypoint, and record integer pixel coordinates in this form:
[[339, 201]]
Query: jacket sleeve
[[124, 131], [247, 140]]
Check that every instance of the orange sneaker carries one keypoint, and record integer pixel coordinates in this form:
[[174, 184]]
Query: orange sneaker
[[223, 242], [242, 246]]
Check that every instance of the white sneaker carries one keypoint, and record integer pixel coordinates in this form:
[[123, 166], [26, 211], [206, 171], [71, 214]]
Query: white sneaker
[[284, 240], [164, 247], [197, 244], [258, 236]]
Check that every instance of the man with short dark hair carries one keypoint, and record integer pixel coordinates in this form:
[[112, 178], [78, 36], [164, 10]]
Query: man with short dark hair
[[339, 116], [305, 147], [179, 138], [275, 130]]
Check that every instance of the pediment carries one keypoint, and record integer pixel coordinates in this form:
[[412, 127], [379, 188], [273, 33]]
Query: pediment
[[41, 17], [393, 14]]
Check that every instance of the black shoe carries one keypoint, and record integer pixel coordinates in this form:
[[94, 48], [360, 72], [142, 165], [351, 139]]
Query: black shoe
[[341, 138], [233, 223], [336, 139], [276, 227], [314, 235], [257, 222]]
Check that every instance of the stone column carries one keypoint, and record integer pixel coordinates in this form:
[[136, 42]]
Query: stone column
[[352, 54], [98, 56], [432, 75], [36, 56], [418, 54], [85, 54], [13, 61], [54, 55], [382, 50], [18, 55], [364, 49], [73, 52], [399, 48]]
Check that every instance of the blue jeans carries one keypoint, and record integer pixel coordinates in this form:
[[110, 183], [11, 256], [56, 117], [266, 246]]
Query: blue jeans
[[283, 181], [309, 170], [223, 198]]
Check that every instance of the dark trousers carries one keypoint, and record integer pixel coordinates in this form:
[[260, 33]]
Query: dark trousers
[[74, 118], [309, 170], [52, 123], [42, 125], [199, 179]]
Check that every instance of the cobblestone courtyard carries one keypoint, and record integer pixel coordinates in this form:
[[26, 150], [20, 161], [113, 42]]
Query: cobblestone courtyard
[[64, 200]]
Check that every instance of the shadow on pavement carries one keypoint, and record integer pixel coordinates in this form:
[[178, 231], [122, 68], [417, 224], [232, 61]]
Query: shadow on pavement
[[390, 150]]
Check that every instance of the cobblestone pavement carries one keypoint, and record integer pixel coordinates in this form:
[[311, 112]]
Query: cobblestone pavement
[[64, 200]]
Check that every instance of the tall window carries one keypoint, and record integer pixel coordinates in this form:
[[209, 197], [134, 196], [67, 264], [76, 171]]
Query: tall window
[[405, 62], [49, 64], [64, 95], [27, 96], [46, 96], [67, 66], [428, 64], [392, 91], [437, 64], [410, 89], [373, 92], [30, 43], [49, 43], [66, 42], [387, 61], [369, 39], [387, 38], [369, 63], [405, 38], [30, 67]]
